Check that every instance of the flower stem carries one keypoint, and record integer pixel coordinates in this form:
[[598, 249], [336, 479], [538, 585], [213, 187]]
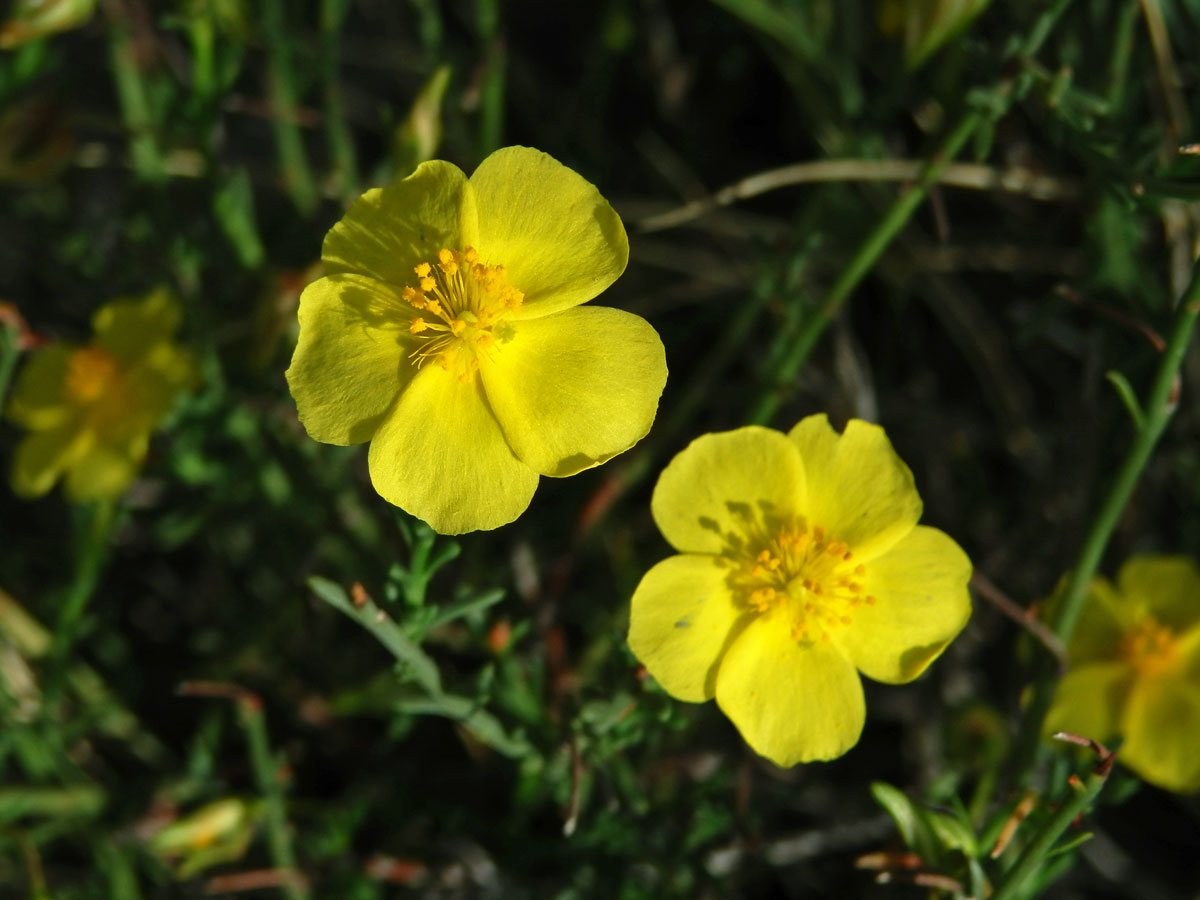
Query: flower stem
[[135, 104], [864, 260], [988, 106], [96, 527], [266, 775], [337, 134], [1158, 409], [289, 142], [493, 87], [10, 352], [1034, 854]]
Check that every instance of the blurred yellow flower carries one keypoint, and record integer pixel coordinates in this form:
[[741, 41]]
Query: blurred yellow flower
[[802, 565], [90, 410], [1135, 670], [447, 334], [216, 833]]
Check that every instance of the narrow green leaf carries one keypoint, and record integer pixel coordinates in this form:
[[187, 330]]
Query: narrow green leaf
[[233, 206], [910, 819], [1128, 397], [414, 660]]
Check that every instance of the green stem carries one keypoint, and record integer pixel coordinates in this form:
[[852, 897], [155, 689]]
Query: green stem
[[1034, 854], [266, 774], [289, 143], [96, 529], [341, 144], [1123, 41], [202, 34], [492, 90], [135, 105], [990, 106], [10, 352], [863, 261], [1158, 410], [775, 23]]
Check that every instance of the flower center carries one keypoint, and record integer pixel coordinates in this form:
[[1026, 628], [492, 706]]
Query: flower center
[[463, 306], [91, 372], [1149, 647], [809, 580]]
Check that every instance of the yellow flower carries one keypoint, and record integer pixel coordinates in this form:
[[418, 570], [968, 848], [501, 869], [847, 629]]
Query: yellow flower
[[1135, 670], [802, 565], [447, 334], [90, 410]]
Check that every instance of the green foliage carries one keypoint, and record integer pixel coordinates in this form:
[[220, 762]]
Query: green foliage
[[1007, 303]]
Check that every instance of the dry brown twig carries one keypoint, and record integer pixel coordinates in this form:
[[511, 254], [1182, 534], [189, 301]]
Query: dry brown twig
[[1022, 616], [965, 175]]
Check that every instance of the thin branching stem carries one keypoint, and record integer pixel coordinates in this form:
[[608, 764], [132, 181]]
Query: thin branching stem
[[1034, 855], [974, 176], [1158, 409], [266, 775], [987, 108], [289, 142]]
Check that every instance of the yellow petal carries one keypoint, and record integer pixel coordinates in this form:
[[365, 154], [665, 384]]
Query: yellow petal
[[859, 490], [39, 397], [792, 702], [682, 617], [1162, 731], [387, 231], [722, 484], [440, 455], [126, 328], [1168, 586], [575, 389], [1188, 648], [105, 469], [164, 371], [350, 361], [1099, 631], [1089, 700], [42, 456], [921, 604], [559, 239]]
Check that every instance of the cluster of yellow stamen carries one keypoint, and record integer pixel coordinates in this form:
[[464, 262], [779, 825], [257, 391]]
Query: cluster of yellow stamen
[[463, 304], [810, 580], [91, 372], [1150, 646]]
